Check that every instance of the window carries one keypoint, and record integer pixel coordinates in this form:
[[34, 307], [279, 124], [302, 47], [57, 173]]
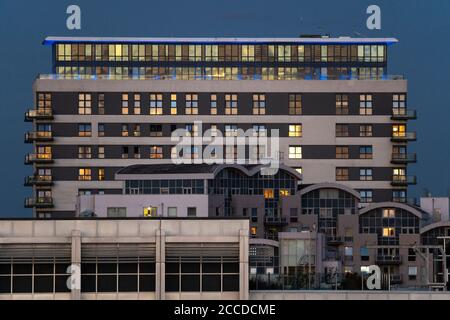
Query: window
[[399, 174], [365, 152], [293, 215], [399, 130], [342, 152], [295, 152], [231, 104], [191, 103], [284, 192], [173, 104], [388, 213], [101, 174], [295, 130], [341, 174], [44, 103], [84, 130], [172, 212], [366, 196], [125, 103], [231, 130], [84, 174], [412, 273], [399, 195], [341, 104], [136, 130], [84, 152], [365, 174], [253, 231], [101, 103], [213, 104], [259, 104], [192, 130], [150, 211], [156, 130], [116, 212], [125, 130], [192, 212], [124, 152], [101, 130], [365, 130], [44, 152], [101, 152], [84, 103], [342, 130], [254, 215], [268, 194], [364, 252], [259, 130], [137, 104], [156, 107], [156, 152], [295, 104], [348, 251], [388, 232], [365, 104], [399, 104]]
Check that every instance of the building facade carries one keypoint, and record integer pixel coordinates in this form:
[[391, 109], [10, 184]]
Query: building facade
[[113, 102]]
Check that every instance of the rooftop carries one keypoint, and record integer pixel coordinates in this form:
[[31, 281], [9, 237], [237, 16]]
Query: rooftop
[[221, 40]]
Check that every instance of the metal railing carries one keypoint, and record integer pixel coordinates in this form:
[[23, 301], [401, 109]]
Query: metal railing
[[37, 157], [39, 202], [39, 135], [404, 157], [388, 259], [32, 180], [403, 113], [38, 113], [405, 136], [404, 180]]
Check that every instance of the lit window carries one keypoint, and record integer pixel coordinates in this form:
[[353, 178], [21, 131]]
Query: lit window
[[366, 196], [259, 104], [342, 130], [399, 130], [388, 213], [342, 152], [299, 170], [231, 104], [389, 232], [101, 103], [412, 273], [365, 104], [399, 104], [84, 130], [84, 174], [213, 104], [284, 192], [84, 152], [365, 152], [295, 130], [365, 130], [231, 130], [101, 152], [173, 104], [125, 103], [341, 104], [101, 174], [150, 212], [156, 107], [191, 104], [101, 130], [137, 104], [253, 231], [268, 194], [341, 174], [125, 130], [156, 152], [295, 152], [365, 174], [84, 103]]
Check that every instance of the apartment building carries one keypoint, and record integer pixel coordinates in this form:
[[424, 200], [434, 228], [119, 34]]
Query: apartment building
[[109, 103]]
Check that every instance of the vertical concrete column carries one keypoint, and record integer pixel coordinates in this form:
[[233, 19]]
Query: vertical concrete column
[[243, 264], [160, 288], [75, 278]]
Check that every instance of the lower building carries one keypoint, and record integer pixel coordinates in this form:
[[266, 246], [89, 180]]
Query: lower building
[[124, 259]]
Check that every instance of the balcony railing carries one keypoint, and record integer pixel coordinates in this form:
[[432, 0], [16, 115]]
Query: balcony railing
[[38, 136], [38, 158], [220, 77], [388, 259], [39, 114], [403, 180], [276, 221], [335, 240], [39, 202], [404, 158], [38, 181], [405, 136], [410, 201], [403, 114]]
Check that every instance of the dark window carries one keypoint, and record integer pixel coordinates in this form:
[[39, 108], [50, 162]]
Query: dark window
[[211, 283], [107, 283], [190, 283], [231, 283], [43, 284]]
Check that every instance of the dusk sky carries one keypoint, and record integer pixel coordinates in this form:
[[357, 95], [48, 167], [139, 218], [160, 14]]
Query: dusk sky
[[423, 56]]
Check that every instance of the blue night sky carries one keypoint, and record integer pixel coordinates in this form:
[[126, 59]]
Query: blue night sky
[[423, 56]]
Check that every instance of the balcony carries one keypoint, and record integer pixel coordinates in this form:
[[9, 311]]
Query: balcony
[[38, 181], [402, 158], [403, 114], [39, 202], [410, 201], [43, 136], [403, 180], [335, 240], [396, 278], [388, 259], [38, 158], [404, 137], [275, 221], [38, 115]]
